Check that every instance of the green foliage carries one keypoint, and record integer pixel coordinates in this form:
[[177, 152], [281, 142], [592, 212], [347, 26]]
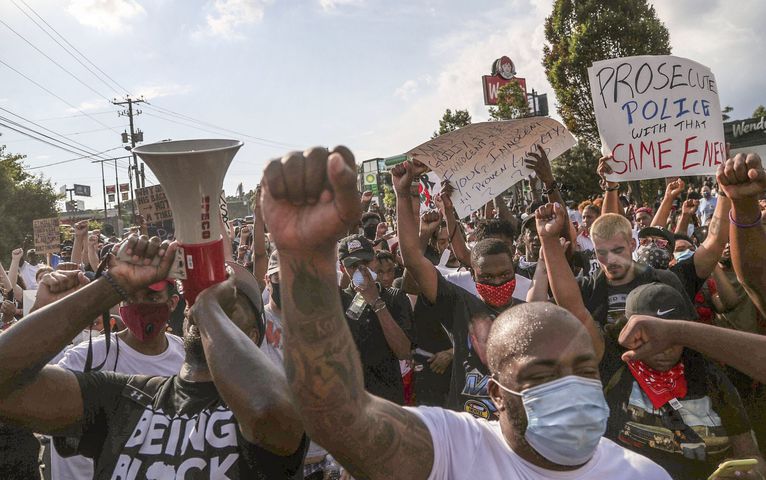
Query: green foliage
[[452, 121], [389, 197], [580, 32], [511, 102], [759, 112], [576, 169], [23, 198], [725, 111]]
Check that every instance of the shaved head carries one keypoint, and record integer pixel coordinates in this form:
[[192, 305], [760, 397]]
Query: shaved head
[[521, 331]]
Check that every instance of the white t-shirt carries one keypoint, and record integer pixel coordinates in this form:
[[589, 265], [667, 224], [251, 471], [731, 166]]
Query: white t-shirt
[[466, 447], [128, 361], [28, 273], [463, 279]]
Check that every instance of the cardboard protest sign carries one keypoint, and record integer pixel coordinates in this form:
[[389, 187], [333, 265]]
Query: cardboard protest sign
[[482, 160], [153, 205], [659, 116], [47, 235]]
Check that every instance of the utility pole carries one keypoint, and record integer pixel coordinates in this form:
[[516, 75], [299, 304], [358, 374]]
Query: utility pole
[[103, 184], [135, 136]]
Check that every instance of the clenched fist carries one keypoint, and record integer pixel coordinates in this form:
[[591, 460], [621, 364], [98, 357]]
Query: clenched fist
[[310, 199]]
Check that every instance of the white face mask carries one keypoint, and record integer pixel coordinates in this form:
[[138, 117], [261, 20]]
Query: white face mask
[[565, 418]]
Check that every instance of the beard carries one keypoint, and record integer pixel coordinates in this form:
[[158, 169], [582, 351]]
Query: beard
[[195, 353]]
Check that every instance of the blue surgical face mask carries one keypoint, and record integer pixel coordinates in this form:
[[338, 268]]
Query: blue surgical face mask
[[683, 255], [565, 418], [358, 278]]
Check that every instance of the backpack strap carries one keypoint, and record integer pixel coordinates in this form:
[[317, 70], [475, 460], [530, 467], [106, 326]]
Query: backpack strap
[[137, 394]]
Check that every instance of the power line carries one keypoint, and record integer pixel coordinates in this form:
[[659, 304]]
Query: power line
[[54, 61], [70, 160], [167, 111], [58, 97], [86, 149], [102, 112], [39, 139], [75, 48], [110, 87]]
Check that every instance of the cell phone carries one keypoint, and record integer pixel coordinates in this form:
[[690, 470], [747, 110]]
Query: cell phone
[[732, 466], [421, 356]]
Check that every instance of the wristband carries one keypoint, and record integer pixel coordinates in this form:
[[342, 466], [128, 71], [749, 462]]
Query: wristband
[[116, 286], [379, 305], [612, 189], [554, 186], [756, 223]]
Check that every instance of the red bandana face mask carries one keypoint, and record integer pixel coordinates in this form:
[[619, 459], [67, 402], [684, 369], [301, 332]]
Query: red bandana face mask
[[496, 295], [145, 320], [660, 387]]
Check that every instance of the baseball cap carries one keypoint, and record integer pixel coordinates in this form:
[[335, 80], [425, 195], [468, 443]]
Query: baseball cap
[[273, 264], [659, 232], [659, 300], [355, 248], [162, 285]]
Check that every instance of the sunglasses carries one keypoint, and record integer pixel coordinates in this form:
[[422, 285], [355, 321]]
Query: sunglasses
[[657, 241]]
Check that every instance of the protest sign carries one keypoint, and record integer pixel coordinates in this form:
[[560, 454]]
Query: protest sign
[[659, 116], [153, 205], [482, 160], [47, 235], [429, 188]]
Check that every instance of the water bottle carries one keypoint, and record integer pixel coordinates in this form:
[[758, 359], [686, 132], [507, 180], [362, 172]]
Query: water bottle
[[357, 307]]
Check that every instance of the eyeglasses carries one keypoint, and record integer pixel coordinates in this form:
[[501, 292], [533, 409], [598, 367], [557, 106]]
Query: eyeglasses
[[660, 242]]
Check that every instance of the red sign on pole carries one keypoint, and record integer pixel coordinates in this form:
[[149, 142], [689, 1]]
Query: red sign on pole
[[492, 84]]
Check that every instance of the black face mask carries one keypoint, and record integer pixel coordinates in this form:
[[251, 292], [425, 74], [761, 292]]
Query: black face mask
[[275, 295]]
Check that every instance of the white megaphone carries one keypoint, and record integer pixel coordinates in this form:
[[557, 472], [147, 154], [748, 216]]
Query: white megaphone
[[191, 173]]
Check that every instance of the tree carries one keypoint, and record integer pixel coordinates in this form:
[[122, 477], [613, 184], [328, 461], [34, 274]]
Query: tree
[[576, 170], [23, 197], [452, 121], [759, 112], [389, 198], [580, 32], [511, 102], [725, 111]]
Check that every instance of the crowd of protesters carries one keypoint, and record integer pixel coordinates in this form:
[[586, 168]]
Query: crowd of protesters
[[541, 339]]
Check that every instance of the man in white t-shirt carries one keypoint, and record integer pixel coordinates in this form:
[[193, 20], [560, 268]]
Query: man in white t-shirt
[[160, 354], [29, 267], [543, 362]]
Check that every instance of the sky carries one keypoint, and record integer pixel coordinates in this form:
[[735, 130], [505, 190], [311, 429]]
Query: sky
[[373, 75]]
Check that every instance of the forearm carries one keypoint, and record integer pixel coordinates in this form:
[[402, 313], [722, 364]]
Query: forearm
[[683, 224], [4, 280], [395, 337], [727, 294], [92, 257], [538, 291], [77, 249], [31, 343], [240, 369], [457, 240], [503, 212], [412, 252], [748, 251], [709, 253], [612, 203], [409, 285], [566, 292], [663, 212], [13, 273]]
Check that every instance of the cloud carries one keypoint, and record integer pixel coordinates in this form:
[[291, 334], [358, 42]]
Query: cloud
[[106, 15], [230, 15], [156, 91], [330, 5], [406, 90], [89, 106]]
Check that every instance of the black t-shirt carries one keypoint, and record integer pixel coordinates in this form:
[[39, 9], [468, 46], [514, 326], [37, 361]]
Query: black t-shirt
[[711, 407], [382, 374], [187, 431], [687, 273], [468, 386], [428, 334]]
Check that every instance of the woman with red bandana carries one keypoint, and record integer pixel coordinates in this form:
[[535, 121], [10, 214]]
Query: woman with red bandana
[[676, 407]]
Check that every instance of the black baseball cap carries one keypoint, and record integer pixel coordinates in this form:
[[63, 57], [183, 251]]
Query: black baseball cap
[[659, 232], [355, 248], [659, 300]]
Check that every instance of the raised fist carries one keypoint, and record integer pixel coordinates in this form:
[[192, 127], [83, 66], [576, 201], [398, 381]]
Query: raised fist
[[430, 222], [17, 253], [81, 228], [550, 220], [540, 164], [675, 188], [149, 261], [742, 176], [310, 199]]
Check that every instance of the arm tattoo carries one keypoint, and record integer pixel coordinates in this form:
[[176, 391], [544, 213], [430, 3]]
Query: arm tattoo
[[371, 437]]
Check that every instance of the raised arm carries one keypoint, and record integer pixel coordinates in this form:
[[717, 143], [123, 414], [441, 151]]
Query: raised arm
[[743, 179], [27, 385], [709, 253], [551, 220], [457, 239], [91, 250], [370, 437], [422, 270], [260, 254], [79, 243], [611, 189], [13, 273], [688, 210], [672, 191], [645, 336], [240, 370]]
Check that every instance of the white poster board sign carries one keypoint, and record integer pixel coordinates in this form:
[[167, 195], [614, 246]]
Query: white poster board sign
[[429, 188], [659, 116], [482, 160]]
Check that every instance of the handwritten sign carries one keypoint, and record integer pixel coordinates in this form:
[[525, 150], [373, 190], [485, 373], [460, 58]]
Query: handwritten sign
[[47, 235], [482, 160], [429, 187], [153, 205], [659, 116]]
